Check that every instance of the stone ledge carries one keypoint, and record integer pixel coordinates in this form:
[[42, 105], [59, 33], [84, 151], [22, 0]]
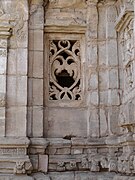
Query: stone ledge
[[65, 29], [38, 145], [14, 142], [74, 176], [23, 177], [42, 142]]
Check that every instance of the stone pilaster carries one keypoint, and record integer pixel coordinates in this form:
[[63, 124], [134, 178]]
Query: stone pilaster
[[35, 71], [4, 35], [92, 61], [112, 67]]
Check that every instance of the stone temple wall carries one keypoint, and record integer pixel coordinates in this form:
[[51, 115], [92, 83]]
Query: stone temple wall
[[67, 93]]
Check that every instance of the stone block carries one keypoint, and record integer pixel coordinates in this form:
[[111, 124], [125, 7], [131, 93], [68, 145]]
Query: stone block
[[34, 160], [16, 90], [104, 79], [52, 167], [63, 122], [93, 81], [51, 150], [36, 17], [94, 98], [21, 61], [93, 176], [114, 97], [36, 150], [104, 97], [43, 163], [21, 90], [59, 142], [102, 23], [104, 122], [113, 116], [38, 64], [39, 142], [2, 121], [12, 58], [30, 63], [92, 53], [37, 121], [21, 177], [37, 92], [11, 90], [2, 83], [2, 99], [112, 57], [102, 53], [40, 176], [77, 151], [30, 92], [62, 176], [36, 42], [63, 151], [3, 65], [16, 121], [78, 141], [111, 13], [93, 125], [113, 79]]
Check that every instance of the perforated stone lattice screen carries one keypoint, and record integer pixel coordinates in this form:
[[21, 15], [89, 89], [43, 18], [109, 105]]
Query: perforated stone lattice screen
[[64, 80], [63, 68]]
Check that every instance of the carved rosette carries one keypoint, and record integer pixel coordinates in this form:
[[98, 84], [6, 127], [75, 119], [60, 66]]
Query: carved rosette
[[65, 68]]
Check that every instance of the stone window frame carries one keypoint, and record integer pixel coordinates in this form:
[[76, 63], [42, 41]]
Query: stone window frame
[[59, 33]]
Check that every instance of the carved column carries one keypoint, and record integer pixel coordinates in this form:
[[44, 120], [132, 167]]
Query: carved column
[[4, 35], [92, 68]]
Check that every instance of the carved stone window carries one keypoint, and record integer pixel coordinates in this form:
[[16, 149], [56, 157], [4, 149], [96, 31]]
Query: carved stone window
[[64, 72]]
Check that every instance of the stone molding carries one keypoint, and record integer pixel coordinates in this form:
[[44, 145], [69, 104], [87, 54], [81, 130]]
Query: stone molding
[[86, 154], [5, 30], [123, 20], [14, 151], [65, 29]]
